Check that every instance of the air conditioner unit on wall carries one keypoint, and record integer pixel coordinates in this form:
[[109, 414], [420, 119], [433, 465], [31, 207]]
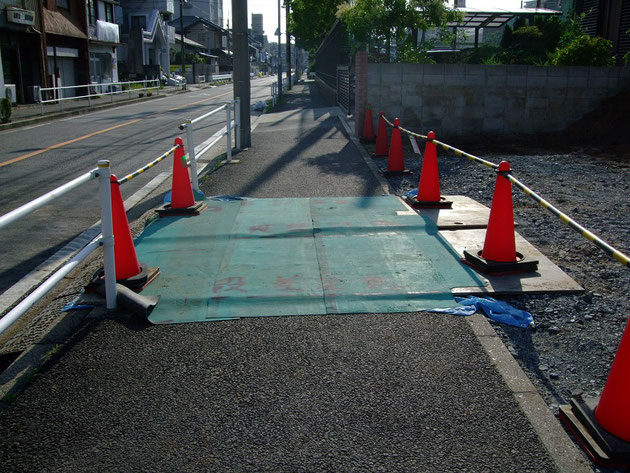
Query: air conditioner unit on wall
[[9, 92]]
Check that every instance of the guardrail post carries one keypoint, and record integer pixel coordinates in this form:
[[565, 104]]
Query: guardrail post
[[190, 146], [228, 128], [107, 230], [237, 120], [41, 105]]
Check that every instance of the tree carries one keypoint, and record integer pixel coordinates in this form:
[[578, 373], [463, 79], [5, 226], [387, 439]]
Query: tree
[[385, 21], [310, 20]]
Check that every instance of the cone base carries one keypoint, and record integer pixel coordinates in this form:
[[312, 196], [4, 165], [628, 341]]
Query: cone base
[[497, 268], [442, 204], [378, 156], [167, 211], [404, 172], [136, 283], [602, 447]]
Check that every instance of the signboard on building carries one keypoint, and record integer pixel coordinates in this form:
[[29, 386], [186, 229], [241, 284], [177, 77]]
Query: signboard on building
[[18, 15]]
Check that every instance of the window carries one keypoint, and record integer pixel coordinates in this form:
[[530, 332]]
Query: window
[[109, 12], [62, 4], [91, 8], [138, 22]]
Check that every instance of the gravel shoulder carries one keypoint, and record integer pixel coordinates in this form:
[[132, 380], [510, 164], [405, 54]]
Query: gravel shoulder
[[575, 339]]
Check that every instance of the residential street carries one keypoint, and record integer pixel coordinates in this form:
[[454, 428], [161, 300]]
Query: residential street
[[129, 136]]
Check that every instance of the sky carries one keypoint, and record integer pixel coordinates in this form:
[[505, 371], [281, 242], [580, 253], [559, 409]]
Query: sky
[[269, 10]]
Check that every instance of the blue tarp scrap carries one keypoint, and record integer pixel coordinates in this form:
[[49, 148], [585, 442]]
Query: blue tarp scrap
[[72, 305], [498, 311]]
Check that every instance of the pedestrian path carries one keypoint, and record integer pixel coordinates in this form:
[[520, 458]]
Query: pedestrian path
[[404, 392]]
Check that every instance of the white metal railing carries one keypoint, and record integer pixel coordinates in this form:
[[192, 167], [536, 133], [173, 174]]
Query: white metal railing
[[94, 91], [274, 88], [106, 238], [230, 124]]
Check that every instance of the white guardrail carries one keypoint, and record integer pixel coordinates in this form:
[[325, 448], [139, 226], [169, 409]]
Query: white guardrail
[[106, 238], [274, 88], [94, 91]]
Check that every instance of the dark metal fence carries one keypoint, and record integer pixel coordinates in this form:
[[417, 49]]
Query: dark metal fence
[[333, 68]]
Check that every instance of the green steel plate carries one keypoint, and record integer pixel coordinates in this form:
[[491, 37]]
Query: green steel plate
[[277, 257]]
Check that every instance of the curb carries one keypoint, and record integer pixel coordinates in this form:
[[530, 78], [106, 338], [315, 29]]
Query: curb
[[562, 450]]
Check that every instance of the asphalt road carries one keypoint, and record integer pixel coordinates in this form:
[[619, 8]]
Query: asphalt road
[[36, 159]]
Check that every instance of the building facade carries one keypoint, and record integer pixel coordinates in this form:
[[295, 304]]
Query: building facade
[[104, 17], [147, 38], [21, 59]]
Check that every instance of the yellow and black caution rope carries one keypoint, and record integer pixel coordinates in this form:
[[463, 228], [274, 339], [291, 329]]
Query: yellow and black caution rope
[[609, 250], [148, 166]]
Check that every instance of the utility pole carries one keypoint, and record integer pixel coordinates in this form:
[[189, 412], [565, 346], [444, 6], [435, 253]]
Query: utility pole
[[288, 4], [181, 37], [279, 55], [240, 74]]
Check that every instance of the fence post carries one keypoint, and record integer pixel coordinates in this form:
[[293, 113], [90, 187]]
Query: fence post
[[237, 119], [41, 105], [108, 233], [190, 143], [228, 128], [129, 85]]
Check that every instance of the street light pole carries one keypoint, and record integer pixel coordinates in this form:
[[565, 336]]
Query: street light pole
[[279, 56], [181, 37], [288, 4]]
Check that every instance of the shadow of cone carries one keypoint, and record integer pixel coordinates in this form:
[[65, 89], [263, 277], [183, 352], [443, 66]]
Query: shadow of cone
[[368, 125], [602, 426], [499, 254], [429, 185], [381, 151], [395, 161], [182, 197]]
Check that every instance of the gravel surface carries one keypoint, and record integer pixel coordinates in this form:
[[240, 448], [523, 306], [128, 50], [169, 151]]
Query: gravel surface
[[572, 346]]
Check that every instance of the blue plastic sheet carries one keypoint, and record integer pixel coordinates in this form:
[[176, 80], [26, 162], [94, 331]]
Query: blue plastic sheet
[[74, 306], [411, 193], [498, 311]]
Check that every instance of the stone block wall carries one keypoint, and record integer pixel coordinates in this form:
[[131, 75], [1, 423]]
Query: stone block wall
[[465, 99]]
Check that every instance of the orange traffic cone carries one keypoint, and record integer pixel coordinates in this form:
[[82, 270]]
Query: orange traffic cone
[[613, 409], [129, 272], [429, 186], [395, 160], [606, 422], [182, 198], [380, 151], [368, 125], [499, 254]]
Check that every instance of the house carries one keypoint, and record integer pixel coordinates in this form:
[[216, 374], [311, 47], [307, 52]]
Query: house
[[609, 19], [103, 39], [21, 71], [65, 42], [147, 37], [212, 36]]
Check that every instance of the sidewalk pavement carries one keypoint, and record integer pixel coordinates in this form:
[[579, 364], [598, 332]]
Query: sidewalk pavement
[[367, 392]]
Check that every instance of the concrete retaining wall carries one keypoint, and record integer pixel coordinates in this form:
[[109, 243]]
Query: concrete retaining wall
[[464, 100]]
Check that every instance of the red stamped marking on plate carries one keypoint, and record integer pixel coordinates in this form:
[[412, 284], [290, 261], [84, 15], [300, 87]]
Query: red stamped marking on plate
[[286, 284], [259, 228], [229, 284]]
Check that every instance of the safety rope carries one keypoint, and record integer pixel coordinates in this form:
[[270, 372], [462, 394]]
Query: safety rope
[[148, 166], [609, 250]]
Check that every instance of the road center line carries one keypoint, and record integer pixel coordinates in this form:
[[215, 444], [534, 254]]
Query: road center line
[[90, 135]]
